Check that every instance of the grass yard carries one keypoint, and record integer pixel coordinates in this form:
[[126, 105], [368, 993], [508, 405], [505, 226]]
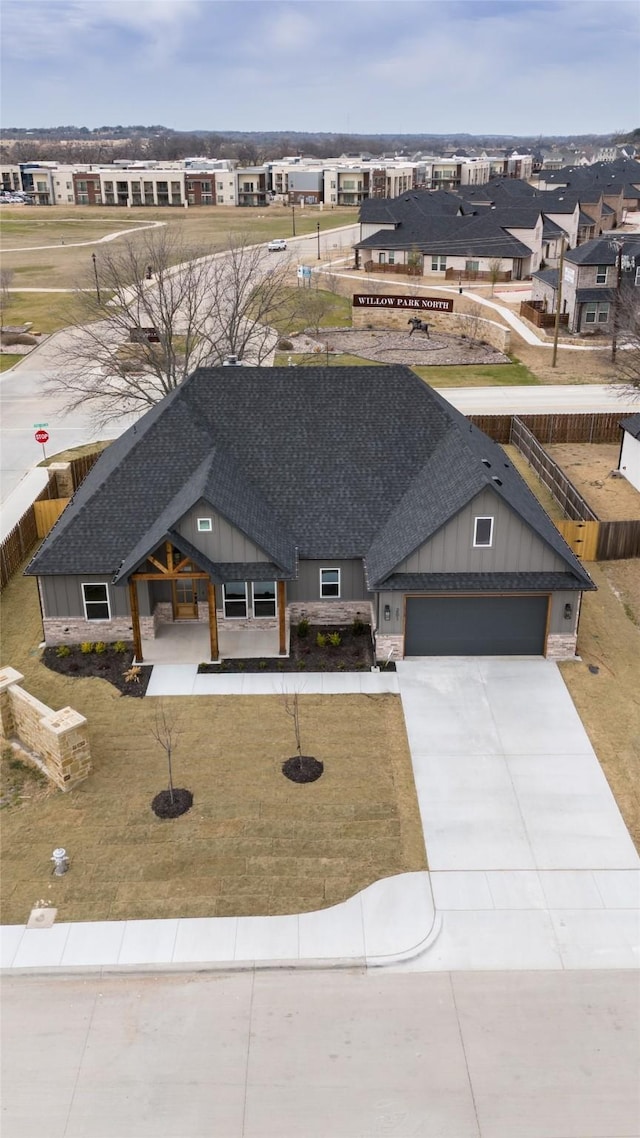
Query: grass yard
[[253, 843], [482, 375], [9, 359], [608, 701], [311, 308], [204, 227], [47, 311], [589, 467]]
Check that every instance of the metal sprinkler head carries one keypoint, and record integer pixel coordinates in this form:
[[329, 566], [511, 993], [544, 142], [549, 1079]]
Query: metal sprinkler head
[[60, 861]]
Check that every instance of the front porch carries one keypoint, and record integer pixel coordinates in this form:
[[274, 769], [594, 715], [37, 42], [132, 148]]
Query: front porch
[[188, 642]]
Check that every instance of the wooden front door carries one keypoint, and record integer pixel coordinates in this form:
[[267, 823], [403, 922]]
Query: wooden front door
[[185, 600]]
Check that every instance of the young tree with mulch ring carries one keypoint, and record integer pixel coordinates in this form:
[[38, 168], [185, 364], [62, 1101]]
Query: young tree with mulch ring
[[173, 801], [299, 768]]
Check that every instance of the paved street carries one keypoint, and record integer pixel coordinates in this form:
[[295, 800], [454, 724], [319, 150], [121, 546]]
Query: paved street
[[322, 1055]]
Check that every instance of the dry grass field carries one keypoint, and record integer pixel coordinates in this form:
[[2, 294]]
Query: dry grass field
[[608, 700], [204, 228], [253, 842], [589, 467]]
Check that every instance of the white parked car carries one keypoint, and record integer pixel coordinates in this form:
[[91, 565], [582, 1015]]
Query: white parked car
[[277, 245]]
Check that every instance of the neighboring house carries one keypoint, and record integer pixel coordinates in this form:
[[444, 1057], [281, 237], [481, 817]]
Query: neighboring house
[[252, 498], [629, 460], [593, 277]]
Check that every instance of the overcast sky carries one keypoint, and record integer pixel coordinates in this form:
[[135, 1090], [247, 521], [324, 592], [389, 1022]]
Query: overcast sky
[[446, 66]]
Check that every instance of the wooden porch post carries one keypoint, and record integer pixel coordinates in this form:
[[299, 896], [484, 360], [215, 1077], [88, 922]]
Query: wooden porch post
[[213, 621], [135, 620], [282, 648]]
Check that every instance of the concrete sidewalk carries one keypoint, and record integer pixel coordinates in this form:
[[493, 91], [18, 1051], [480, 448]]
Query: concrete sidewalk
[[531, 865]]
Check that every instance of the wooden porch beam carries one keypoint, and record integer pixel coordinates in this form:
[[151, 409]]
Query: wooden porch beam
[[135, 620], [213, 621], [173, 576], [282, 632], [158, 564]]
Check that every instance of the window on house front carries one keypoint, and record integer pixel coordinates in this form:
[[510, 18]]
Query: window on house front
[[264, 598], [392, 258], [438, 264], [637, 280], [483, 532], [235, 598], [595, 313], [471, 266], [382, 258], [95, 599], [601, 274], [205, 525], [329, 583]]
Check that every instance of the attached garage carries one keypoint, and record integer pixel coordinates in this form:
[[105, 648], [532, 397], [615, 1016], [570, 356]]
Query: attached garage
[[478, 625]]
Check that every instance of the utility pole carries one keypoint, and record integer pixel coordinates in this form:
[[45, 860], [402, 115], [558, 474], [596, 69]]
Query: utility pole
[[95, 273], [617, 245], [293, 219], [556, 328]]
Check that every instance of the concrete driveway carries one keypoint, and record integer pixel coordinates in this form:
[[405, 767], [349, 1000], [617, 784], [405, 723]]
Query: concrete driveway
[[531, 863]]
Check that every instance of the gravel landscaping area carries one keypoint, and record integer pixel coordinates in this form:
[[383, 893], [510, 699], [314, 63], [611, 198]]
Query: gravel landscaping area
[[393, 347]]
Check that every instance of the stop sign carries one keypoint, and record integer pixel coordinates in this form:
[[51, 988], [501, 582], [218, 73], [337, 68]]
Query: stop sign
[[42, 437]]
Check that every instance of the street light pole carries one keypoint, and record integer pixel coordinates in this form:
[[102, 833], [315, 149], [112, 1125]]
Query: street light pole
[[293, 219], [318, 236], [556, 327], [95, 273]]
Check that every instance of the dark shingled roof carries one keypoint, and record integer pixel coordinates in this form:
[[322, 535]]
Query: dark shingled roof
[[603, 250], [632, 425], [306, 462], [483, 582]]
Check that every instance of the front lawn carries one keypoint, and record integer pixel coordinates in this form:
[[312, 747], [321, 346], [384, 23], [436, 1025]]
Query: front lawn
[[478, 375], [253, 842]]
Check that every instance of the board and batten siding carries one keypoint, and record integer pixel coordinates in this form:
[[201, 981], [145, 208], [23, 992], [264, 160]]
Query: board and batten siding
[[61, 596], [224, 543], [515, 547], [307, 585]]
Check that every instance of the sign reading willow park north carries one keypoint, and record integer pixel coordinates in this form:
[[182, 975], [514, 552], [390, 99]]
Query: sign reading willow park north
[[417, 303]]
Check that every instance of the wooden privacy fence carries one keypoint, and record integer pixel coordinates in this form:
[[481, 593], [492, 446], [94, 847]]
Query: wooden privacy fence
[[588, 537], [36, 522], [581, 428], [567, 495], [47, 512]]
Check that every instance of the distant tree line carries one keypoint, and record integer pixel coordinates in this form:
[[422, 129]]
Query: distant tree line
[[140, 143]]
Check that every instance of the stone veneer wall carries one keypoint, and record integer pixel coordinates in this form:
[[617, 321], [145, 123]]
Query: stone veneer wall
[[561, 646], [76, 630], [389, 647], [54, 741], [331, 612]]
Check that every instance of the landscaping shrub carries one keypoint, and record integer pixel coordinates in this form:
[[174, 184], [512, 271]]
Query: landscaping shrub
[[119, 646], [285, 345], [358, 627], [303, 627], [335, 639], [321, 640], [100, 647], [63, 651], [86, 647]]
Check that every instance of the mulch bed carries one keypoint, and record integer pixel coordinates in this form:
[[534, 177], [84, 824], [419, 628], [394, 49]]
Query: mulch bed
[[163, 807], [108, 665], [354, 653], [302, 768]]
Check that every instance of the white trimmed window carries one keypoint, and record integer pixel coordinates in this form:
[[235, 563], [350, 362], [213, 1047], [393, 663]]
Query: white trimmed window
[[483, 533], [595, 313], [235, 598], [601, 274], [329, 583], [205, 525], [438, 263], [95, 598], [637, 280]]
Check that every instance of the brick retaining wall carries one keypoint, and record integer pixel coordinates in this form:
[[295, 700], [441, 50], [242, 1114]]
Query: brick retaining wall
[[56, 742]]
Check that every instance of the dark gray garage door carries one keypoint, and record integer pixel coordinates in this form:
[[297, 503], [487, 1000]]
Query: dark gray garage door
[[475, 626]]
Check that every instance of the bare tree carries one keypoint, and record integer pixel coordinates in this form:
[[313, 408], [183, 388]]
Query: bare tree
[[152, 310], [166, 731], [6, 277], [291, 704], [626, 336], [495, 270]]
